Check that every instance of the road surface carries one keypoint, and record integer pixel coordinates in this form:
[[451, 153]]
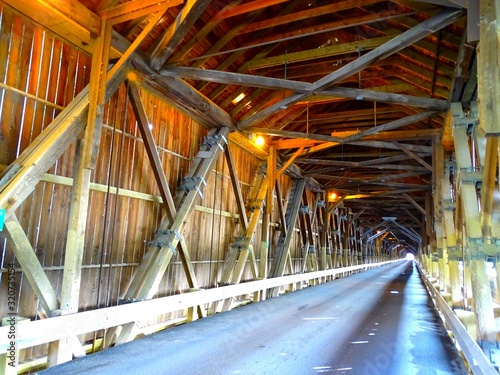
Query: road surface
[[376, 322]]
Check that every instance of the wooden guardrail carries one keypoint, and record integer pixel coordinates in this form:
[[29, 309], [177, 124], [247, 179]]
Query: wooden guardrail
[[474, 355], [56, 328]]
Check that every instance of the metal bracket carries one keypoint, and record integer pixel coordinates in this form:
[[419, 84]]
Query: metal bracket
[[241, 242], [460, 118], [311, 249], [321, 203], [215, 140], [454, 253], [256, 204], [166, 232], [160, 244], [193, 183], [304, 210], [478, 256], [161, 241], [448, 205]]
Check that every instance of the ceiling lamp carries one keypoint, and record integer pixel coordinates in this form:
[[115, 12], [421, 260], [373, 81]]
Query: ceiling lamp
[[259, 140], [238, 98]]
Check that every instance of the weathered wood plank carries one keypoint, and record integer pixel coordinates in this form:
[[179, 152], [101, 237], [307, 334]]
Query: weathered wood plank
[[390, 47], [487, 67], [235, 78], [202, 32], [413, 155], [176, 32], [46, 148], [401, 41], [136, 9], [373, 17], [235, 182], [335, 50], [26, 257], [149, 143], [386, 97], [245, 8], [415, 204], [69, 19], [308, 14], [488, 185], [290, 160]]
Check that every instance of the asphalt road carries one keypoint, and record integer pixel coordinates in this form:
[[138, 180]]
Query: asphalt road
[[375, 322]]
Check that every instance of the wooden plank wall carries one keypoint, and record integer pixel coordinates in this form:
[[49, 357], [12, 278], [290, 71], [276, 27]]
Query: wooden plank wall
[[124, 203]]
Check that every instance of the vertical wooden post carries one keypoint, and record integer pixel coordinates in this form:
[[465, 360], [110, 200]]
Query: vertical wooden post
[[481, 291], [497, 269], [473, 220], [449, 207], [85, 162], [447, 283], [456, 294], [78, 211], [467, 282], [264, 251], [323, 238], [266, 217], [438, 226], [488, 73]]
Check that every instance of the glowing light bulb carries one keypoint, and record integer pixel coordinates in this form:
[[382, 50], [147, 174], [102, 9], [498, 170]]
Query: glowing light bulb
[[332, 196], [260, 141]]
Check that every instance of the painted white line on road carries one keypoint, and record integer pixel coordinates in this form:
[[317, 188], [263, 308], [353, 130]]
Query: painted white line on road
[[323, 318]]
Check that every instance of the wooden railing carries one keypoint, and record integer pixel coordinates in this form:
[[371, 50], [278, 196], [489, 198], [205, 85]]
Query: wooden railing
[[474, 355], [52, 329]]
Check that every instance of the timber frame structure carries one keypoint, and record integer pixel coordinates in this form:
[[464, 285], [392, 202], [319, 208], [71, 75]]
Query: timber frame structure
[[131, 180]]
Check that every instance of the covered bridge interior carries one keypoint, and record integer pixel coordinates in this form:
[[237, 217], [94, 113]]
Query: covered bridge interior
[[160, 148]]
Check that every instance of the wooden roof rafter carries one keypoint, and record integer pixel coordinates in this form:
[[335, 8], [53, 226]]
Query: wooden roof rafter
[[282, 84], [307, 14], [245, 8], [298, 88], [237, 54], [164, 47], [326, 27], [135, 9], [216, 47], [394, 45], [201, 34]]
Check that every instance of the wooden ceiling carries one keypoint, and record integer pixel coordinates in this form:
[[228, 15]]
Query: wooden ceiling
[[354, 92]]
